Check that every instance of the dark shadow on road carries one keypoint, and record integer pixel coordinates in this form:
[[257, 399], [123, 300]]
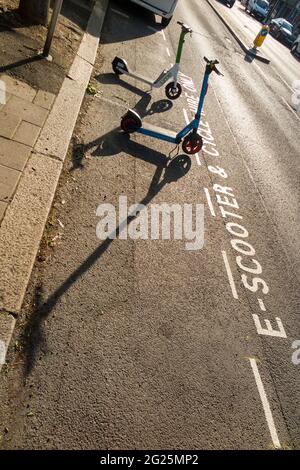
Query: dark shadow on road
[[116, 141], [111, 79], [296, 57], [223, 2], [133, 22], [33, 334], [250, 56]]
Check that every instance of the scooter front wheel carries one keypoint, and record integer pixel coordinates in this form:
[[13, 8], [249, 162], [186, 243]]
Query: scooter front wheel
[[129, 124], [192, 144], [173, 91]]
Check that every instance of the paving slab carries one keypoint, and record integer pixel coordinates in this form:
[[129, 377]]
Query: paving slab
[[13, 154], [8, 181], [9, 123], [44, 99], [64, 113], [27, 133], [26, 111], [18, 88], [4, 98]]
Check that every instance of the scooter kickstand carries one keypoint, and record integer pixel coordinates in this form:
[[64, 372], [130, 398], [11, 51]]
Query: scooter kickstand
[[175, 149]]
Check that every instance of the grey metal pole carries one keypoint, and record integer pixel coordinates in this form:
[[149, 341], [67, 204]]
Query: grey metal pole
[[54, 18]]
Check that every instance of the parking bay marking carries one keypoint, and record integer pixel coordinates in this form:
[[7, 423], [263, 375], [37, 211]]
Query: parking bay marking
[[265, 403], [209, 202], [229, 274], [261, 305], [290, 107]]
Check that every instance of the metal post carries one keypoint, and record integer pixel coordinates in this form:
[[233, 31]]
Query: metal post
[[54, 18]]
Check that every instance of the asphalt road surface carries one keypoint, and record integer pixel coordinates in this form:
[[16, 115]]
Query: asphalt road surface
[[285, 65], [144, 343]]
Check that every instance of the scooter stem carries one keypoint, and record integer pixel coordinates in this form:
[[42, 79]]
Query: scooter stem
[[184, 30], [202, 95], [209, 68]]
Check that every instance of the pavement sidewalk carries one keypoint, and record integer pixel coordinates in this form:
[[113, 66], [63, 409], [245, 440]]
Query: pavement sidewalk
[[23, 113], [36, 127]]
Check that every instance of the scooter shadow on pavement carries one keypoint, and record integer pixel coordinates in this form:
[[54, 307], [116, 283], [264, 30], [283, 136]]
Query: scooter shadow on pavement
[[34, 330], [111, 79], [115, 141]]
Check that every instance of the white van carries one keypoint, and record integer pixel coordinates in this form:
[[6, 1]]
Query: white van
[[163, 8]]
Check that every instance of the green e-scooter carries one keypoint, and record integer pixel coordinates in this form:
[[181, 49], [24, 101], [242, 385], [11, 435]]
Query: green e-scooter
[[191, 140], [173, 89]]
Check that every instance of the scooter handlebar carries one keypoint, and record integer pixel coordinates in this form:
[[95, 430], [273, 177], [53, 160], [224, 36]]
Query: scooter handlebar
[[212, 64], [185, 27]]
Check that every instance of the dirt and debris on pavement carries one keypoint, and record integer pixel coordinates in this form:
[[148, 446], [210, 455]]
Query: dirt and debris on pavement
[[21, 41]]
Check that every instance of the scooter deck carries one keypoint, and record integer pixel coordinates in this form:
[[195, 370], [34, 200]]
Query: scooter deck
[[159, 132]]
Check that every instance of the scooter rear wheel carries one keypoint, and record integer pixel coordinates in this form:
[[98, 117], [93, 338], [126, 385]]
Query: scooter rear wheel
[[118, 66], [173, 92], [192, 144], [129, 124]]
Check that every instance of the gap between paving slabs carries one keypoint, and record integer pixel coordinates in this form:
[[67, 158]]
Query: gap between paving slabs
[[24, 221]]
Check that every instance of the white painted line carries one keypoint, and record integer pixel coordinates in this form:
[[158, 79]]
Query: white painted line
[[118, 12], [230, 276], [261, 72], [2, 352], [293, 111], [283, 80], [185, 116], [168, 52], [265, 403], [198, 159], [163, 34], [261, 305], [209, 202], [2, 92]]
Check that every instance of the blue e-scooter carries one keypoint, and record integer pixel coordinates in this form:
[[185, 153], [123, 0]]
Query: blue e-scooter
[[191, 140]]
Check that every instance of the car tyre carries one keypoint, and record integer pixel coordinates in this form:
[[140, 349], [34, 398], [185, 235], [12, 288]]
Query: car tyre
[[294, 49]]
